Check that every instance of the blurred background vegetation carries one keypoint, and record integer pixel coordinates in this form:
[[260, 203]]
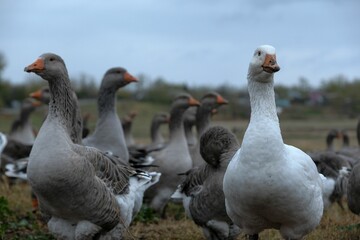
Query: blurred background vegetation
[[337, 96]]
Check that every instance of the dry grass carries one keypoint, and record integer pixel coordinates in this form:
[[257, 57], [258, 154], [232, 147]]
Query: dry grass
[[337, 224]]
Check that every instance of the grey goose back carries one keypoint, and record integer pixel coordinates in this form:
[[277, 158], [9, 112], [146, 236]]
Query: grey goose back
[[108, 134], [82, 189]]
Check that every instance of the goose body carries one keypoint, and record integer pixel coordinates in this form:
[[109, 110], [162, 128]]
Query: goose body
[[269, 184], [77, 186], [202, 190]]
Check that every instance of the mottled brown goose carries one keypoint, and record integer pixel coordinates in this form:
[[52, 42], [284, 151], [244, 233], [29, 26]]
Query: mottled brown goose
[[174, 158], [108, 134], [202, 191], [83, 190]]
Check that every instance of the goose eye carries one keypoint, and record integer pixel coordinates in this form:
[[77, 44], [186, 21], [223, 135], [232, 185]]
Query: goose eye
[[118, 71], [258, 53], [52, 59]]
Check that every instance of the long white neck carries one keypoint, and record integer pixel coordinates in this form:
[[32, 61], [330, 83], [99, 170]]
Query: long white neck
[[262, 101], [263, 133]]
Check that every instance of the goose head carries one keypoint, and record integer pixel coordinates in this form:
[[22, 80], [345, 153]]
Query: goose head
[[29, 105], [48, 66], [42, 95], [116, 78], [263, 64], [184, 101], [211, 101], [161, 117]]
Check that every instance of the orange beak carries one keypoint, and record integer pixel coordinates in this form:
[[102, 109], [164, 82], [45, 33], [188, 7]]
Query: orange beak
[[193, 102], [130, 78], [37, 66], [36, 95], [270, 65], [221, 100]]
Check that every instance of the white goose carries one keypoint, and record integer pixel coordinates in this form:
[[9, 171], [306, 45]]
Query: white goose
[[269, 184], [83, 191]]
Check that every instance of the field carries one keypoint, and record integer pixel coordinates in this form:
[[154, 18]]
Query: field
[[18, 222]]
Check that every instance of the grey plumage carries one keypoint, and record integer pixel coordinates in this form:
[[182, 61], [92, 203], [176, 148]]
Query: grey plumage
[[77, 186], [174, 158], [108, 134], [204, 198]]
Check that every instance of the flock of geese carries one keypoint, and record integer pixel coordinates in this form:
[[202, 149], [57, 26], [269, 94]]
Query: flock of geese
[[91, 186]]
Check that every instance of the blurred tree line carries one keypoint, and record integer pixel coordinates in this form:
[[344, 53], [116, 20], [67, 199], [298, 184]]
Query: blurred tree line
[[337, 95]]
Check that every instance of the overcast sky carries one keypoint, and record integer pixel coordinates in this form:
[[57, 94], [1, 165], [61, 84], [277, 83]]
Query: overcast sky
[[196, 41]]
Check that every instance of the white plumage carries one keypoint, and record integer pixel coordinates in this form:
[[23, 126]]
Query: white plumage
[[269, 184]]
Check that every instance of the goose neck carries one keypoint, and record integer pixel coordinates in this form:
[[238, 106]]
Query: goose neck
[[106, 101], [63, 105], [262, 100], [203, 119], [176, 126], [155, 132], [24, 116]]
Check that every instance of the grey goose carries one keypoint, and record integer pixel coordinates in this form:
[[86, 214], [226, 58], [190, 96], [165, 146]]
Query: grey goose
[[174, 158], [202, 190], [108, 134], [84, 191]]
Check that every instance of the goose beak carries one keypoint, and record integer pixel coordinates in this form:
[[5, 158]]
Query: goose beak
[[37, 66], [193, 102], [36, 95], [270, 65], [221, 100], [130, 78], [36, 103]]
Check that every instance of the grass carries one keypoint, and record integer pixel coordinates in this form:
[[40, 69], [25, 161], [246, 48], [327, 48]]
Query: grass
[[18, 222]]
